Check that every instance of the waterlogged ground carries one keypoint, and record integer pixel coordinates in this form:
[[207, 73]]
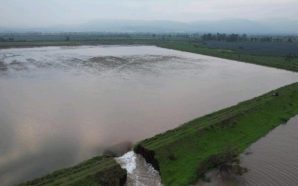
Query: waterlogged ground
[[270, 161], [62, 105]]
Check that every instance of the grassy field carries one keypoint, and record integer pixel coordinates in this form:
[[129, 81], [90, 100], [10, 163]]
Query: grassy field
[[94, 172], [184, 154], [256, 48], [266, 60]]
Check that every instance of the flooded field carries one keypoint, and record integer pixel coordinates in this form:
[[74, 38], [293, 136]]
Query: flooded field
[[62, 105], [270, 161]]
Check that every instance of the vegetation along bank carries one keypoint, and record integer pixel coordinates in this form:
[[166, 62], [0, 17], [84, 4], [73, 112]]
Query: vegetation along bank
[[98, 171], [184, 154]]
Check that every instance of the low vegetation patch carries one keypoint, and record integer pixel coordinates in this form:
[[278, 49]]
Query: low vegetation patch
[[103, 171]]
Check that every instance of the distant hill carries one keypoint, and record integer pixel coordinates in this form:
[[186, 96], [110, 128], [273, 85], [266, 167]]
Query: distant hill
[[224, 26]]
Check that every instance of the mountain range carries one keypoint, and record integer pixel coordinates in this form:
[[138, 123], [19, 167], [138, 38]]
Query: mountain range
[[278, 26]]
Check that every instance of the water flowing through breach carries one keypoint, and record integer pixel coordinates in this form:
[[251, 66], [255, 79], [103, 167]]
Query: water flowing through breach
[[139, 172]]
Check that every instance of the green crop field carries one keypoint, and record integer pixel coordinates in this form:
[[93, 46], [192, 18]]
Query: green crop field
[[279, 61]]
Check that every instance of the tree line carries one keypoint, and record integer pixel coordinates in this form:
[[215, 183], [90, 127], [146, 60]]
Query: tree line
[[245, 37]]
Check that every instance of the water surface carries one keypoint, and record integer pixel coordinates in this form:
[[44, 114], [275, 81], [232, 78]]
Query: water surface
[[62, 105], [272, 160]]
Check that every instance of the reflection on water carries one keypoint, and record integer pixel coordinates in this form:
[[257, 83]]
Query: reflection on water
[[62, 105], [270, 161]]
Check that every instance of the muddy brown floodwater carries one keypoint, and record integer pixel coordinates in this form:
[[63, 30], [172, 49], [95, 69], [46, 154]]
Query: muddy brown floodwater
[[62, 105], [273, 160]]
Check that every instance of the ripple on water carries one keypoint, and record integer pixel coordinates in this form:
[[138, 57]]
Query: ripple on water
[[273, 160]]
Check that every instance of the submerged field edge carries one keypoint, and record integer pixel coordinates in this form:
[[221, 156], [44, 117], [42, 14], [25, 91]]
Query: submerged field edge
[[184, 154], [280, 62]]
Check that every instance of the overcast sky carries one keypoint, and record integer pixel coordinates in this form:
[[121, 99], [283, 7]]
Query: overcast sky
[[53, 12]]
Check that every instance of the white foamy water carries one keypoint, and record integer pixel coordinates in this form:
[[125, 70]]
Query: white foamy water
[[128, 161], [139, 172]]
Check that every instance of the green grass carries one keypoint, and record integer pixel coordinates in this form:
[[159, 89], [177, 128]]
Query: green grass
[[265, 60], [96, 171], [187, 152]]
